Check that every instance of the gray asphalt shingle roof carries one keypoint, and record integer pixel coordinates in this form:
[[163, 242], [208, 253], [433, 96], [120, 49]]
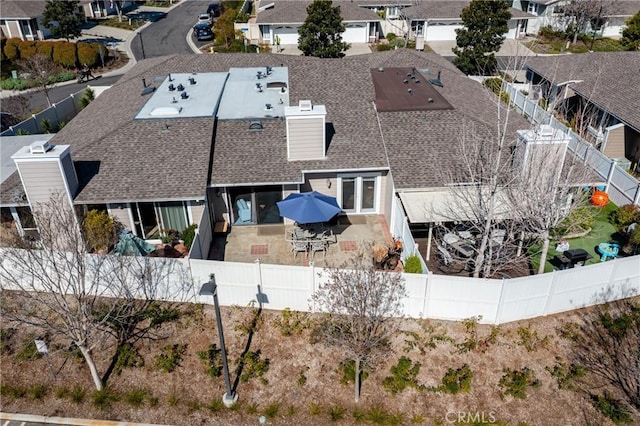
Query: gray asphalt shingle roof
[[121, 159], [21, 9], [607, 79], [295, 12]]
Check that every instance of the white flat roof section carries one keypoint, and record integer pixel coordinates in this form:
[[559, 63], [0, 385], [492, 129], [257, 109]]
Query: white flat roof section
[[10, 145], [255, 93], [185, 95]]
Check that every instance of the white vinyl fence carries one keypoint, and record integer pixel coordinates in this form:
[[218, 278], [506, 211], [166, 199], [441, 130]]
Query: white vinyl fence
[[621, 186], [400, 229], [428, 296]]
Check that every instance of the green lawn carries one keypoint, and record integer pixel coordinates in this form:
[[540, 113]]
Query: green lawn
[[583, 45], [601, 232]]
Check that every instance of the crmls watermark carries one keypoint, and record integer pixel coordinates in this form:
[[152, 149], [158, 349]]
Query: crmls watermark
[[484, 417]]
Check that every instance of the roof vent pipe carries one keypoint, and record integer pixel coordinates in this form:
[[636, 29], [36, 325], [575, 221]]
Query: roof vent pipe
[[184, 95], [436, 81], [144, 83], [170, 79], [192, 80]]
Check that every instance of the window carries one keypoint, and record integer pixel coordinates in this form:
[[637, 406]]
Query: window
[[265, 30], [358, 194], [151, 218], [532, 8], [393, 11], [257, 205]]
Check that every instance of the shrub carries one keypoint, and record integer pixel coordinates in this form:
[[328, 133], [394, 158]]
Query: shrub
[[15, 84], [11, 50], [612, 408], [212, 359], [382, 47], [291, 322], [64, 53], [397, 42], [77, 395], [170, 357], [253, 366], [336, 413], [188, 235], [215, 405], [314, 409], [38, 391], [88, 53], [28, 351], [391, 36], [347, 371], [100, 230], [135, 397], [430, 341], [566, 375], [103, 399], [272, 409], [377, 415], [412, 264], [625, 216], [45, 48], [13, 391], [252, 408], [3, 43], [530, 339], [455, 381], [516, 382], [128, 356], [87, 96], [404, 375], [6, 335], [551, 33], [302, 378], [493, 84], [27, 48]]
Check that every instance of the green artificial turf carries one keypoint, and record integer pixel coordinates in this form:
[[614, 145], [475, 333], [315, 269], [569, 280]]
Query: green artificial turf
[[601, 232]]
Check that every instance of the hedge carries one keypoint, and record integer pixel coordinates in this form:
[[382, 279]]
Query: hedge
[[64, 53], [11, 50], [27, 48], [45, 48], [88, 53], [3, 42]]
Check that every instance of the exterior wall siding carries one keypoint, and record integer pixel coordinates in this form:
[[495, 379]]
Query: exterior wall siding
[[41, 179], [197, 210], [121, 212], [615, 143], [70, 174], [306, 138]]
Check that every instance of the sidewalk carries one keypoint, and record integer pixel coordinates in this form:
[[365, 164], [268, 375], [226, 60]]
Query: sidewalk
[[114, 38], [32, 418]]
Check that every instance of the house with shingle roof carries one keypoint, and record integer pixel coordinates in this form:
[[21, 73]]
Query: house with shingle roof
[[591, 88], [609, 17], [189, 139], [369, 20]]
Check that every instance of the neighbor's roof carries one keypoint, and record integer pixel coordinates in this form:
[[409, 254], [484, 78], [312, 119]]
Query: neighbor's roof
[[606, 79], [447, 9], [295, 12], [121, 159], [21, 9]]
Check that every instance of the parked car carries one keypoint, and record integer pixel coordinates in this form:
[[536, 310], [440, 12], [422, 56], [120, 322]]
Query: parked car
[[214, 10], [204, 17], [202, 31]]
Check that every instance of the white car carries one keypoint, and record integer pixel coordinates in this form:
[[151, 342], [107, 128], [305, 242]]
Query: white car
[[204, 17]]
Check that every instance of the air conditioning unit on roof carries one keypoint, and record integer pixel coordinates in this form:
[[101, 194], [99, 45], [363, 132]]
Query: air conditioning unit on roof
[[40, 147]]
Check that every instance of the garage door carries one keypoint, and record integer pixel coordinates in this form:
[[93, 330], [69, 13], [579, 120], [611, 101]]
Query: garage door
[[355, 33], [287, 34], [441, 31]]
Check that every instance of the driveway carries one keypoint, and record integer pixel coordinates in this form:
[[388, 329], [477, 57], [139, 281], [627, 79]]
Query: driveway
[[510, 47], [292, 49]]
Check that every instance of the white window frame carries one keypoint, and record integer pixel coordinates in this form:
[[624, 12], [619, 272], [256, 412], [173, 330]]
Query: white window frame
[[532, 8], [358, 191]]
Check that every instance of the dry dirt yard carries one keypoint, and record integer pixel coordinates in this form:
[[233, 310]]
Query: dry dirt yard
[[302, 385]]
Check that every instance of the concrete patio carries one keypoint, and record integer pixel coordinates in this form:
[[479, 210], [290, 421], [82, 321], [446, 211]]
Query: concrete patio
[[247, 243]]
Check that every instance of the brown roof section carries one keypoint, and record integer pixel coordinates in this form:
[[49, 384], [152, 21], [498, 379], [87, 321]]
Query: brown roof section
[[608, 79], [295, 12], [21, 9], [405, 89]]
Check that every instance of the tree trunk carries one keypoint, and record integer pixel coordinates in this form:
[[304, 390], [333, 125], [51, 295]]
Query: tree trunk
[[545, 250], [92, 366], [357, 379]]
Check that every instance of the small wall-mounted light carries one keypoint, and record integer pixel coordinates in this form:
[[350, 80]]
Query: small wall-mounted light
[[328, 183]]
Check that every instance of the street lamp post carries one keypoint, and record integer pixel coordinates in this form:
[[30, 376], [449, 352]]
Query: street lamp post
[[210, 289]]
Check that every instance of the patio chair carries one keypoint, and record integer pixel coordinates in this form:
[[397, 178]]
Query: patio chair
[[244, 211], [298, 247], [444, 256], [318, 245]]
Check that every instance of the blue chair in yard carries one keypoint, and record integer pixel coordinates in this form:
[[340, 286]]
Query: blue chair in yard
[[608, 251], [244, 212]]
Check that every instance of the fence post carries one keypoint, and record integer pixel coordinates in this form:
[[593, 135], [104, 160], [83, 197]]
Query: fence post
[[636, 199], [552, 289], [499, 309], [612, 169], [427, 294]]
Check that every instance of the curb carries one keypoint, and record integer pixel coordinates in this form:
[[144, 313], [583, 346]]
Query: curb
[[67, 420]]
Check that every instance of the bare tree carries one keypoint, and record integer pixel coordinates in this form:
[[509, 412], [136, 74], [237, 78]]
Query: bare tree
[[547, 187], [607, 344], [41, 70], [59, 287], [360, 303], [583, 14]]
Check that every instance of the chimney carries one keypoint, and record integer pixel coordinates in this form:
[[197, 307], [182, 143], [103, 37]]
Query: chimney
[[306, 136], [542, 147]]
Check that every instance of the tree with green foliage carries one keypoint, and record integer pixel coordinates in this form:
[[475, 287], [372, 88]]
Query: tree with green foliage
[[321, 33], [62, 18], [631, 34], [485, 23]]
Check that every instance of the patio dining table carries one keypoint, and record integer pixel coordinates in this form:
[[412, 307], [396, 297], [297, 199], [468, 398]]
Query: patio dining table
[[459, 245]]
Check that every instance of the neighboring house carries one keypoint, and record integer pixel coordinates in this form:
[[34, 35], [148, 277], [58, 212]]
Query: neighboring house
[[613, 15], [368, 20], [22, 18], [280, 20], [592, 87], [250, 129]]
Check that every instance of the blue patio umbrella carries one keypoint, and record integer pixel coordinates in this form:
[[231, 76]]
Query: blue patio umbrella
[[309, 207]]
